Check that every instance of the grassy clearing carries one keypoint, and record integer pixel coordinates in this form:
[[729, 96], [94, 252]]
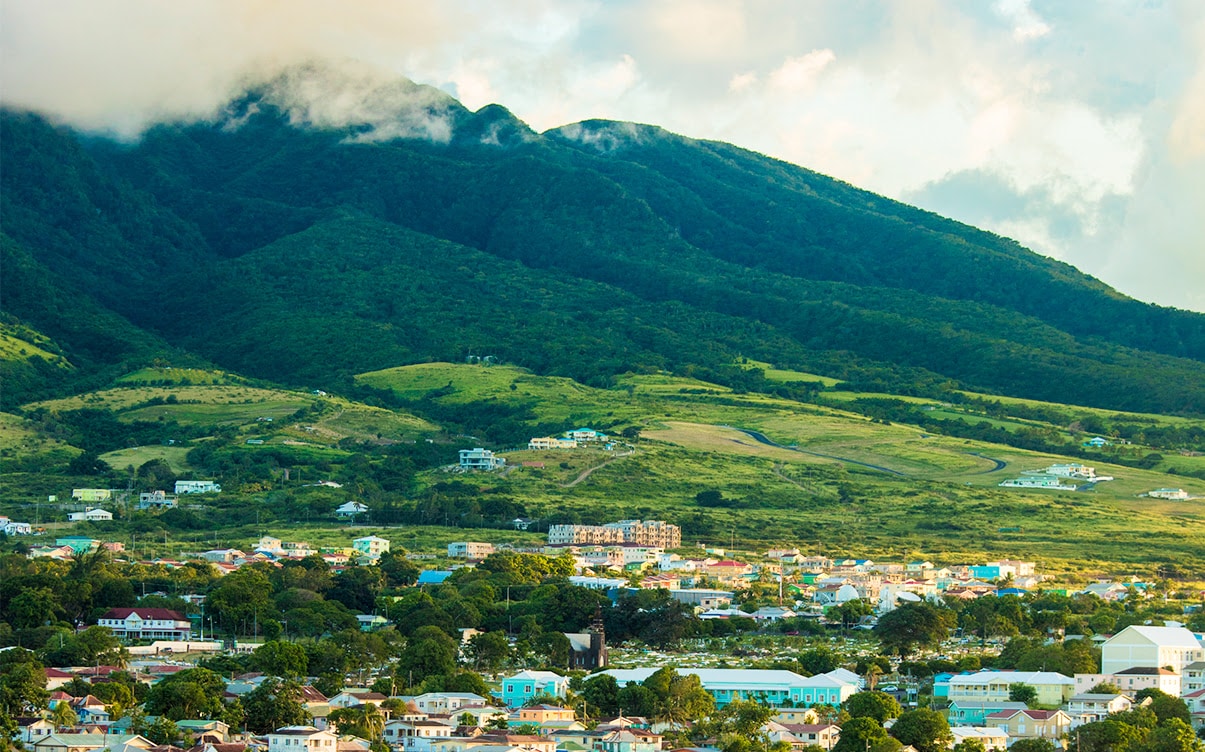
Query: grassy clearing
[[174, 456], [787, 375], [23, 448], [230, 404], [180, 376], [13, 347], [1082, 410]]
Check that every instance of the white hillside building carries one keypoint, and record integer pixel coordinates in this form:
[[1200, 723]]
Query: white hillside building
[[1150, 647]]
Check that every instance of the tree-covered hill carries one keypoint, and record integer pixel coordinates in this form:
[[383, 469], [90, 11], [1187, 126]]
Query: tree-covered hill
[[290, 248]]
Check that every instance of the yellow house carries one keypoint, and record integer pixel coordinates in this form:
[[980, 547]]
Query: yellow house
[[1031, 724], [1052, 688]]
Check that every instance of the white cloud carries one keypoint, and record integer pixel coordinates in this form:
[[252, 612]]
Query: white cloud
[[1089, 115]]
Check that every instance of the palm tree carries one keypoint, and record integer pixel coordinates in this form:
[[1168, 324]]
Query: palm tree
[[63, 716], [873, 672]]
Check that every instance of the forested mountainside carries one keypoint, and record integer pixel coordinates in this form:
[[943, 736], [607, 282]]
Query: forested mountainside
[[280, 246]]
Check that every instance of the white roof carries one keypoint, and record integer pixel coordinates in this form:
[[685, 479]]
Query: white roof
[[1169, 637], [977, 732], [541, 676], [1012, 677]]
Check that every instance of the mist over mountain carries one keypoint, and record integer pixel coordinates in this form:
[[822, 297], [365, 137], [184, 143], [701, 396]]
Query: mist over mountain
[[324, 225]]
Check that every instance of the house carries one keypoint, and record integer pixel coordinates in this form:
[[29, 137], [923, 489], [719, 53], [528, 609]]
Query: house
[[371, 545], [79, 544], [31, 729], [56, 678], [1096, 441], [1053, 482], [351, 509], [1196, 708], [416, 735], [433, 576], [993, 686], [480, 459], [1193, 677], [994, 739], [1174, 648], [16, 528], [540, 714], [975, 712], [211, 728], [89, 742], [628, 740], [776, 687], [301, 739], [1175, 494], [90, 514], [350, 698], [585, 434], [223, 555], [445, 703], [156, 500], [548, 442], [517, 690], [197, 487], [1031, 724], [1134, 680], [91, 494], [470, 550], [89, 710], [146, 624], [823, 735], [1092, 707]]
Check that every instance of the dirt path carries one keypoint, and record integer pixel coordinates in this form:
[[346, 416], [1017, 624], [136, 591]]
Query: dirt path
[[586, 473]]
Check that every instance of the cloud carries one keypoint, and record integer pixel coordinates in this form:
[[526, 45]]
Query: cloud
[[1088, 117]]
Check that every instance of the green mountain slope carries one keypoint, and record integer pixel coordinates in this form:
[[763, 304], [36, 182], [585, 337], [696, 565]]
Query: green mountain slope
[[305, 253]]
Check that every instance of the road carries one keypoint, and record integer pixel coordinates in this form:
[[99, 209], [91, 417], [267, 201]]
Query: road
[[761, 437]]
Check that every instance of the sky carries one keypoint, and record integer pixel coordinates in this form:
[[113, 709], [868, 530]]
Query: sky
[[1077, 128]]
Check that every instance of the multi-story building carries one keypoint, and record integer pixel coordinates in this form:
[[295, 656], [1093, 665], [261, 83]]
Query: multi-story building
[[469, 550], [1174, 648], [91, 494], [301, 739], [993, 686], [156, 500], [146, 624], [371, 545], [480, 459], [773, 686], [650, 533]]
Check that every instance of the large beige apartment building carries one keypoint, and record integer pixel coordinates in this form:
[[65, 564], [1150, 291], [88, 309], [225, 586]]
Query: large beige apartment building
[[638, 532]]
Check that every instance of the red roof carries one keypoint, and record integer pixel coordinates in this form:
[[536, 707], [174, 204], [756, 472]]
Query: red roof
[[157, 614], [54, 673]]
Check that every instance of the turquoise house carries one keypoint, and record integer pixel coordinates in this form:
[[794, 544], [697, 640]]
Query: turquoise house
[[518, 690]]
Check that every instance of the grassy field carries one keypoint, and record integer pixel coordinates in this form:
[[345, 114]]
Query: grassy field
[[23, 448], [194, 404], [786, 375], [16, 348], [174, 456], [178, 376]]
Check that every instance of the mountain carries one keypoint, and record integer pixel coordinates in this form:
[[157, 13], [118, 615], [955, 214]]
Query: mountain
[[303, 240]]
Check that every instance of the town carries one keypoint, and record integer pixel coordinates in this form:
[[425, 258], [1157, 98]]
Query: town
[[610, 637]]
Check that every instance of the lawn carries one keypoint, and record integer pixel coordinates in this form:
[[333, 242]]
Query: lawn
[[174, 456]]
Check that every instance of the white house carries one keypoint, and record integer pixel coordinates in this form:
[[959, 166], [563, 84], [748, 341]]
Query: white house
[[351, 509], [993, 686], [16, 528], [1175, 494], [1173, 648], [301, 738], [549, 442], [90, 515], [156, 500], [994, 739], [1090, 708], [146, 624], [197, 486]]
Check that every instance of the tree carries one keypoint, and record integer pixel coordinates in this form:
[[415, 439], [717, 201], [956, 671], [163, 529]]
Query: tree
[[925, 729], [970, 745], [860, 734], [193, 693], [1163, 705], [274, 704], [284, 659], [1104, 736], [63, 716], [877, 705], [601, 694], [365, 721], [22, 683], [1105, 688], [431, 652], [1173, 735], [914, 625], [164, 731], [490, 650], [1022, 693], [1032, 745]]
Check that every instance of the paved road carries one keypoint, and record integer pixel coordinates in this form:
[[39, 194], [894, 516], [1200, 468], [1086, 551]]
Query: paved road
[[758, 436], [1000, 464]]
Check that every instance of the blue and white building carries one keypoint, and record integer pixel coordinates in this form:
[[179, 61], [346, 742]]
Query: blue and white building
[[518, 690]]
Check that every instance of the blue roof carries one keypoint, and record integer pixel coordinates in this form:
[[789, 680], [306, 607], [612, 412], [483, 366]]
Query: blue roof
[[433, 576]]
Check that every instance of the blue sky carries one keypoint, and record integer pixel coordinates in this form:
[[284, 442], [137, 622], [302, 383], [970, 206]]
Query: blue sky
[[1077, 128]]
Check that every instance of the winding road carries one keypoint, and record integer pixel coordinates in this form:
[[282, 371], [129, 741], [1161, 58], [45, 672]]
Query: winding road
[[761, 437]]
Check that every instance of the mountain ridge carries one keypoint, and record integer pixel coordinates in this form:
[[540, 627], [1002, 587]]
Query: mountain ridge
[[693, 254]]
